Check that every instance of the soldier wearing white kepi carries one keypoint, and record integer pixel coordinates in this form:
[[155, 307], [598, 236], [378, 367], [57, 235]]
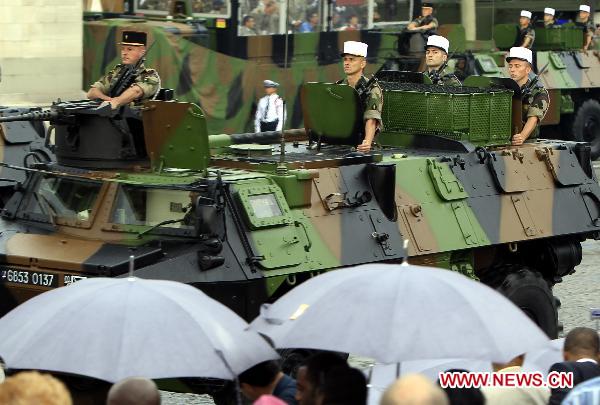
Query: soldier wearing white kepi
[[436, 59], [269, 113], [549, 13], [526, 33]]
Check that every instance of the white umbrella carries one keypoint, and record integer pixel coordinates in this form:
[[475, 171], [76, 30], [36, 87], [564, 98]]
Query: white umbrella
[[395, 313], [112, 329]]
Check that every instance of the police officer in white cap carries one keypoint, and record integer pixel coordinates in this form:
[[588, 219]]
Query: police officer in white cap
[[436, 58], [526, 34], [355, 60], [269, 113], [535, 98], [549, 14], [584, 21]]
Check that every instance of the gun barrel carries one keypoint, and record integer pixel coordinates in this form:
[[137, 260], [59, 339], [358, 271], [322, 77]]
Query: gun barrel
[[268, 137], [44, 115]]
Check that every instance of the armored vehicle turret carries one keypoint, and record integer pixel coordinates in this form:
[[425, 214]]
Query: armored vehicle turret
[[247, 223]]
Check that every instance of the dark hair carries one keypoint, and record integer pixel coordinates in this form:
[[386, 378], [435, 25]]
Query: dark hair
[[582, 340], [260, 375], [319, 364], [460, 396], [344, 385], [246, 19]]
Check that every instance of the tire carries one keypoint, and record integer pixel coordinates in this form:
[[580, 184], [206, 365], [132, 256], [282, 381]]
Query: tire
[[529, 291], [586, 125]]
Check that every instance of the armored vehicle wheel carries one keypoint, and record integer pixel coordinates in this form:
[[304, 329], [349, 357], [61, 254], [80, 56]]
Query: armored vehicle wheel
[[530, 292], [586, 125]]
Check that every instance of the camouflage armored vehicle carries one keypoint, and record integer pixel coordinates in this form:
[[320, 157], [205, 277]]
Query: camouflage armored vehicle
[[246, 217]]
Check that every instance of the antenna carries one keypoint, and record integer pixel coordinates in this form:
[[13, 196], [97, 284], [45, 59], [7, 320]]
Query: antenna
[[131, 265]]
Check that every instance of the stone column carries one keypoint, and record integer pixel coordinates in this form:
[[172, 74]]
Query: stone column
[[467, 14], [41, 51]]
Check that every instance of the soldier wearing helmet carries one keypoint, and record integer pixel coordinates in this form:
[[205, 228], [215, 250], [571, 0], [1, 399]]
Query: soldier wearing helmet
[[526, 34], [355, 60], [535, 98], [436, 58], [146, 83]]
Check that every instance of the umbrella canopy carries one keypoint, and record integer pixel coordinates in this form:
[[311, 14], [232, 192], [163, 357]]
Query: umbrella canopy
[[395, 313], [542, 359], [112, 329]]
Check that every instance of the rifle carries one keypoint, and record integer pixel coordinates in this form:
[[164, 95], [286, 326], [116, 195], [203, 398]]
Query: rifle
[[363, 90], [127, 76], [533, 83]]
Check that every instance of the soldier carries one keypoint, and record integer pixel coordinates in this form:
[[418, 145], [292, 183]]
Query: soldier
[[549, 17], [526, 34], [534, 97], [355, 60], [584, 21], [146, 83], [436, 58], [269, 113], [426, 23]]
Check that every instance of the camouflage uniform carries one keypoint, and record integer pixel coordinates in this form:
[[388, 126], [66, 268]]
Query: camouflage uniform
[[525, 33], [446, 79], [421, 21], [373, 102], [535, 104], [588, 26], [549, 24], [147, 79]]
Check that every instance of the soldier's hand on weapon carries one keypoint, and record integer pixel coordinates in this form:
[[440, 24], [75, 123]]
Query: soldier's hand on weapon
[[518, 139], [364, 147]]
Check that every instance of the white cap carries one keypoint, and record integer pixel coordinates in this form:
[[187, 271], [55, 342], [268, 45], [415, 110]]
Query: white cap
[[518, 52], [270, 83], [439, 42], [583, 7], [549, 10], [355, 48], [525, 13]]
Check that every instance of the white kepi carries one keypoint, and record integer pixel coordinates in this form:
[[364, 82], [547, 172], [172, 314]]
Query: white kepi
[[355, 48], [525, 13], [518, 52], [585, 8], [549, 10], [439, 42]]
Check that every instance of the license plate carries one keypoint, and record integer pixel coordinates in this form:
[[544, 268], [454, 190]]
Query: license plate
[[27, 277]]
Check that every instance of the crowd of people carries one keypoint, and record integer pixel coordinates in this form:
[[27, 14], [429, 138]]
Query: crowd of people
[[326, 378]]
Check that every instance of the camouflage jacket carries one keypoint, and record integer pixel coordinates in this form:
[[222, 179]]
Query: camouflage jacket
[[535, 104], [527, 32], [147, 79], [588, 26], [373, 102], [549, 24], [421, 21], [445, 79]]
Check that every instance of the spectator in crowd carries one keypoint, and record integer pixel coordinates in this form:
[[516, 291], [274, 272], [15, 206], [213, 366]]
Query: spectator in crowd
[[352, 25], [514, 395], [266, 17], [460, 396], [247, 28], [266, 378], [134, 391], [343, 385], [414, 389], [586, 393], [311, 24], [581, 352], [311, 375], [268, 400], [33, 388]]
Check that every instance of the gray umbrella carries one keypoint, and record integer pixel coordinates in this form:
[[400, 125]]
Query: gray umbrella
[[395, 313], [116, 328]]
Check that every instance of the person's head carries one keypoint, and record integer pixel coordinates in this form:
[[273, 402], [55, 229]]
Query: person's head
[[354, 57], [584, 12], [317, 367], [519, 64], [270, 7], [248, 22], [436, 51], [313, 19], [549, 14], [343, 385], [525, 18], [133, 391], [353, 20], [257, 379], [31, 387], [414, 389], [301, 384], [515, 362], [270, 86], [133, 47], [582, 343], [460, 396], [426, 9]]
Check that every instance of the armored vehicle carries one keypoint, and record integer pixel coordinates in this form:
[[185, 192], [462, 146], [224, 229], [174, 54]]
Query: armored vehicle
[[245, 217]]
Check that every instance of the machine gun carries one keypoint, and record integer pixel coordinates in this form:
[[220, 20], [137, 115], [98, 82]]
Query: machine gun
[[61, 111], [127, 76]]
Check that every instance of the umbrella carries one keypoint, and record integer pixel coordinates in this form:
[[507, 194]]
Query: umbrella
[[395, 313], [112, 329], [542, 359]]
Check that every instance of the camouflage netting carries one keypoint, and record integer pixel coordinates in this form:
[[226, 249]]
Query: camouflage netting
[[481, 116]]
